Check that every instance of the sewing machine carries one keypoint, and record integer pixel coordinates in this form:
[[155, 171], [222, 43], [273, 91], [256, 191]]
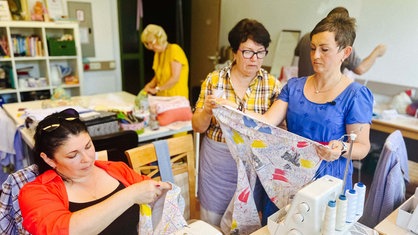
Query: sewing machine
[[306, 212]]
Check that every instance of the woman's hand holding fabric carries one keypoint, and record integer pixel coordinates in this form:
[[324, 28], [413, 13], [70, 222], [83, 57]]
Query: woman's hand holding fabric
[[149, 190], [330, 152]]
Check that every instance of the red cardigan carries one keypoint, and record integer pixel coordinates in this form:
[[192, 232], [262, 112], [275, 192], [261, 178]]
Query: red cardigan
[[44, 202]]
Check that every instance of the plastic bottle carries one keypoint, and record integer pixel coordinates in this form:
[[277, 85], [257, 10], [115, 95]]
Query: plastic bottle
[[141, 101], [328, 225]]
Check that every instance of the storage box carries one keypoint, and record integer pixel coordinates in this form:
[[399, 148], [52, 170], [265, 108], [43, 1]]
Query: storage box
[[100, 123], [406, 216], [60, 48]]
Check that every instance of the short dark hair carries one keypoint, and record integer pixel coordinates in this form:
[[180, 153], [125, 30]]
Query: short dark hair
[[248, 29], [339, 10], [48, 142], [344, 29]]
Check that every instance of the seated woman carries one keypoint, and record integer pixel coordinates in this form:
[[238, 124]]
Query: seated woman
[[74, 193]]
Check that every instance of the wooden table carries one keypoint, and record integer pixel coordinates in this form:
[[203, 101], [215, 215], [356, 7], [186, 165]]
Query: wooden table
[[408, 125], [116, 100]]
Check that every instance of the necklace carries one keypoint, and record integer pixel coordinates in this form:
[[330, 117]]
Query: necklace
[[317, 91]]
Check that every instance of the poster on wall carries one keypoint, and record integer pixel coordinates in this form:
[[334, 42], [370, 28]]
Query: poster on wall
[[56, 9]]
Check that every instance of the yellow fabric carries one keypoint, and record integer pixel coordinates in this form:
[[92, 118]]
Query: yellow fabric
[[162, 70]]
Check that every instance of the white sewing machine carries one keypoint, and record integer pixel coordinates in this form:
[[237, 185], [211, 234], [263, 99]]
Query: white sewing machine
[[306, 212]]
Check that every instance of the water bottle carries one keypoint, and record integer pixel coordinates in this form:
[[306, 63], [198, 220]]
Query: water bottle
[[141, 101]]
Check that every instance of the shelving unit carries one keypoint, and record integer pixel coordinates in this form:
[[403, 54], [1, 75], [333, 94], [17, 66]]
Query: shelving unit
[[37, 60]]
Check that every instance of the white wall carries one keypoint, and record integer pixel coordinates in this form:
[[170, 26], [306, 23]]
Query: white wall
[[106, 41], [378, 21]]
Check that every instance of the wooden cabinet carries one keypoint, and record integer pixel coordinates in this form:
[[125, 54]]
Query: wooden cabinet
[[34, 60]]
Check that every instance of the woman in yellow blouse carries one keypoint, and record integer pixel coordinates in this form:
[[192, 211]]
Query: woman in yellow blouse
[[171, 67]]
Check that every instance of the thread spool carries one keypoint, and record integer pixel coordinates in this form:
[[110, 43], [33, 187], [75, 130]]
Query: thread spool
[[341, 212], [361, 195], [351, 205], [328, 225]]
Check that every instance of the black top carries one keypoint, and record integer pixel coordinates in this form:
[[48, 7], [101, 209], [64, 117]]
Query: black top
[[125, 224]]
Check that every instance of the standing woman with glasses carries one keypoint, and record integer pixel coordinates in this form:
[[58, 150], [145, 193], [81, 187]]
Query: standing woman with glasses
[[245, 84], [74, 193], [170, 65]]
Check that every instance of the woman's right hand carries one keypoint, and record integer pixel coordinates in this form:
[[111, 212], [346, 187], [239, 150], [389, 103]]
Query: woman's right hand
[[210, 103], [148, 191]]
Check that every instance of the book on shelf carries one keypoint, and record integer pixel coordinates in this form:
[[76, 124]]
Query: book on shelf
[[27, 45]]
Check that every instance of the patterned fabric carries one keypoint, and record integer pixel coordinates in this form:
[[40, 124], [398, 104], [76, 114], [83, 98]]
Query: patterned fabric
[[284, 163], [261, 93], [164, 216], [10, 215]]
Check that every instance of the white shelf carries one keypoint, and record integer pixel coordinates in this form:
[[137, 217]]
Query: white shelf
[[42, 64]]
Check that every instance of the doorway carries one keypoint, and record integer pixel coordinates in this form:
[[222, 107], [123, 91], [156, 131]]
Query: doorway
[[204, 46], [136, 61]]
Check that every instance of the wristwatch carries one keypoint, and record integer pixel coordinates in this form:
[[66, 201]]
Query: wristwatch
[[157, 88], [343, 148]]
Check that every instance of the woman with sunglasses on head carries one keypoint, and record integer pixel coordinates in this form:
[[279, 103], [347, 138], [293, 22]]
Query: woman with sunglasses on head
[[170, 65], [74, 193], [245, 84]]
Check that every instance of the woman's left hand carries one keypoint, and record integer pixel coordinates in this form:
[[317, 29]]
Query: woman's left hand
[[331, 152]]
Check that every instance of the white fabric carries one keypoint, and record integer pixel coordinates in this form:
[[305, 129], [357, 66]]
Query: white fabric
[[8, 129]]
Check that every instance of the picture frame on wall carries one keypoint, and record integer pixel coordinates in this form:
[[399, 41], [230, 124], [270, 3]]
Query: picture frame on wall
[[56, 9]]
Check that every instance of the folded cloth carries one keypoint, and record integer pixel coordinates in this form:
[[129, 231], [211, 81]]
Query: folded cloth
[[165, 103], [170, 109]]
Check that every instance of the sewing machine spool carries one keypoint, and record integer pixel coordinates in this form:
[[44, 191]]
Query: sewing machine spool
[[306, 212]]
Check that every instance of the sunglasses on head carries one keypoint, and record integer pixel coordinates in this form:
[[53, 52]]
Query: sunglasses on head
[[52, 122]]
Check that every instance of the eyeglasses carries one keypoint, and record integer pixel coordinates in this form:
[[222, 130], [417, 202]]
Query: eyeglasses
[[52, 122], [248, 54]]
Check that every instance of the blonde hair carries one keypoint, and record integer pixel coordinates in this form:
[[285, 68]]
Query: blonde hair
[[154, 32]]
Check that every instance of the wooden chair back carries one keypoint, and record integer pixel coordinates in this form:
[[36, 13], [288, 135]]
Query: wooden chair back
[[181, 150]]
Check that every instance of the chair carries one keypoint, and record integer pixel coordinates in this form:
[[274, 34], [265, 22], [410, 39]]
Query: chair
[[116, 144], [10, 216], [182, 159], [387, 191]]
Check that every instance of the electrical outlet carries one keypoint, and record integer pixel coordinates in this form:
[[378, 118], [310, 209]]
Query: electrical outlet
[[95, 66]]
